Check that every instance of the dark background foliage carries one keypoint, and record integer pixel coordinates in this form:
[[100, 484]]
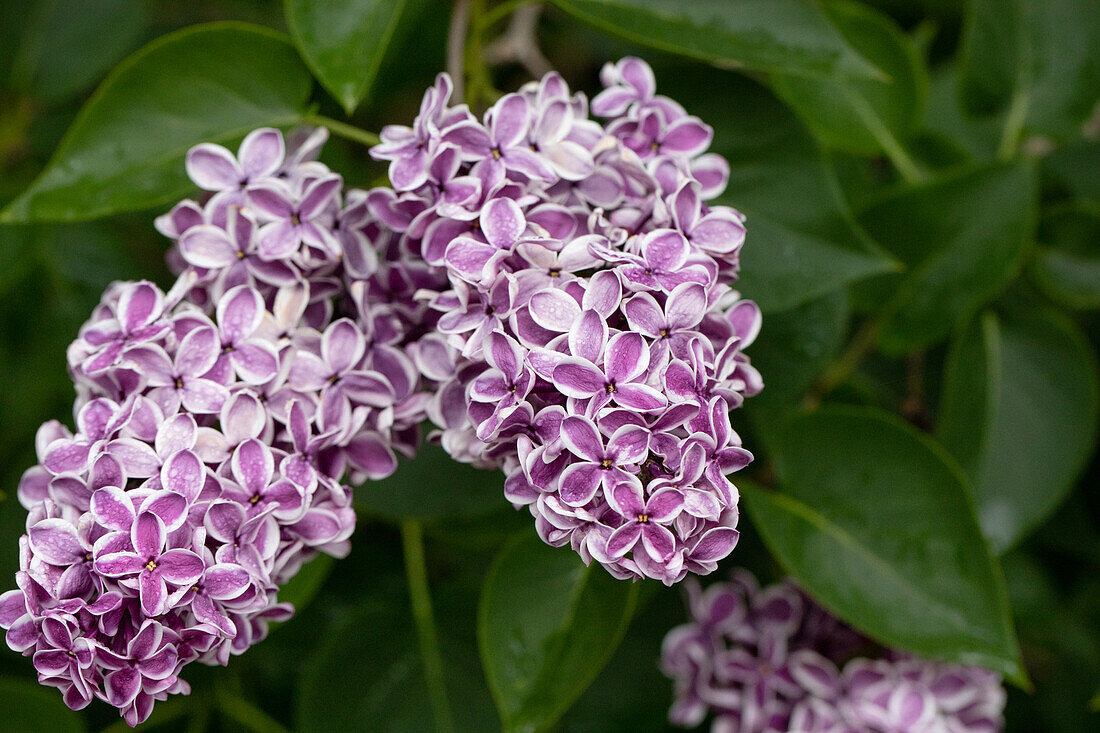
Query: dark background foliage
[[921, 181]]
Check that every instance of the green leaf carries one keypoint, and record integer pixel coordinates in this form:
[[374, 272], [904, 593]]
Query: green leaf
[[1042, 56], [1067, 265], [125, 150], [32, 708], [344, 41], [875, 520], [792, 36], [546, 626], [802, 241], [432, 486], [1019, 411], [863, 115], [66, 47], [963, 238], [304, 586], [793, 349], [1072, 168]]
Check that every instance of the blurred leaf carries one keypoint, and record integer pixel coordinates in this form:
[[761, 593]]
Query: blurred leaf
[[367, 674], [434, 485], [863, 115], [546, 626], [1073, 168], [876, 522], [802, 241], [945, 118], [792, 36], [66, 47], [1043, 55], [1067, 265], [125, 150], [963, 238], [344, 41], [304, 586], [793, 349], [32, 708], [1020, 405]]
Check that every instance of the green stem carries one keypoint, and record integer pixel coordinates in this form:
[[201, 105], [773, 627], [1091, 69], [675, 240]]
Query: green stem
[[412, 538], [244, 713], [351, 132], [840, 370], [499, 13], [1014, 124]]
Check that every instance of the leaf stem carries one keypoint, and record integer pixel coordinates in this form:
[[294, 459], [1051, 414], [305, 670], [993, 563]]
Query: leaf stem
[[1014, 124], [840, 370], [343, 129], [244, 713], [456, 46], [412, 539], [499, 13]]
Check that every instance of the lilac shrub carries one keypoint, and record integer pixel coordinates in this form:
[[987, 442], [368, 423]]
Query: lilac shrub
[[585, 335], [218, 427], [769, 660]]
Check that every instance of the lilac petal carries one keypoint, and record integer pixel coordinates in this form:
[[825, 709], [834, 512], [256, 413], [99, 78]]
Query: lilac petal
[[686, 305], [123, 686], [119, 564], [666, 250], [139, 305], [239, 313], [147, 534], [75, 582], [278, 240], [318, 527], [160, 665], [203, 396], [578, 377], [715, 545], [510, 120], [719, 232], [626, 357], [206, 611], [225, 581], [113, 509], [506, 355], [255, 361], [410, 172], [469, 257], [287, 497], [814, 673], [175, 435], [644, 315], [197, 352], [626, 499], [153, 364], [207, 246], [639, 397], [372, 456], [664, 505], [183, 473], [253, 466], [138, 459], [342, 345], [262, 152], [569, 160], [588, 336], [490, 387], [318, 195], [56, 542], [554, 310], [13, 604], [153, 593], [271, 202], [502, 222], [582, 438], [223, 520], [52, 663], [658, 541], [169, 506], [638, 75], [628, 444], [623, 539], [471, 138], [528, 162], [67, 456], [180, 567], [308, 372], [243, 417], [212, 167], [579, 483], [687, 136]]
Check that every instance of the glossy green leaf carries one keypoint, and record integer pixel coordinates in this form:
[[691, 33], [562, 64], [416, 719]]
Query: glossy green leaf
[[125, 150], [1067, 264], [802, 241], [792, 36], [877, 523], [344, 41], [963, 238], [546, 626], [1019, 411], [1041, 57], [863, 115], [32, 708], [793, 350], [432, 486], [96, 32]]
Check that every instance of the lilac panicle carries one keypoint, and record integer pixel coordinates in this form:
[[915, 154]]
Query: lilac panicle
[[583, 334], [218, 427], [769, 660]]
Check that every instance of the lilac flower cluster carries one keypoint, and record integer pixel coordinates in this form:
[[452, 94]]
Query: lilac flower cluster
[[769, 660], [215, 426], [586, 336]]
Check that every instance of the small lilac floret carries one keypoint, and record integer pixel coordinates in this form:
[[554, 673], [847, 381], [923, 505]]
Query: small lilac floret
[[770, 660]]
